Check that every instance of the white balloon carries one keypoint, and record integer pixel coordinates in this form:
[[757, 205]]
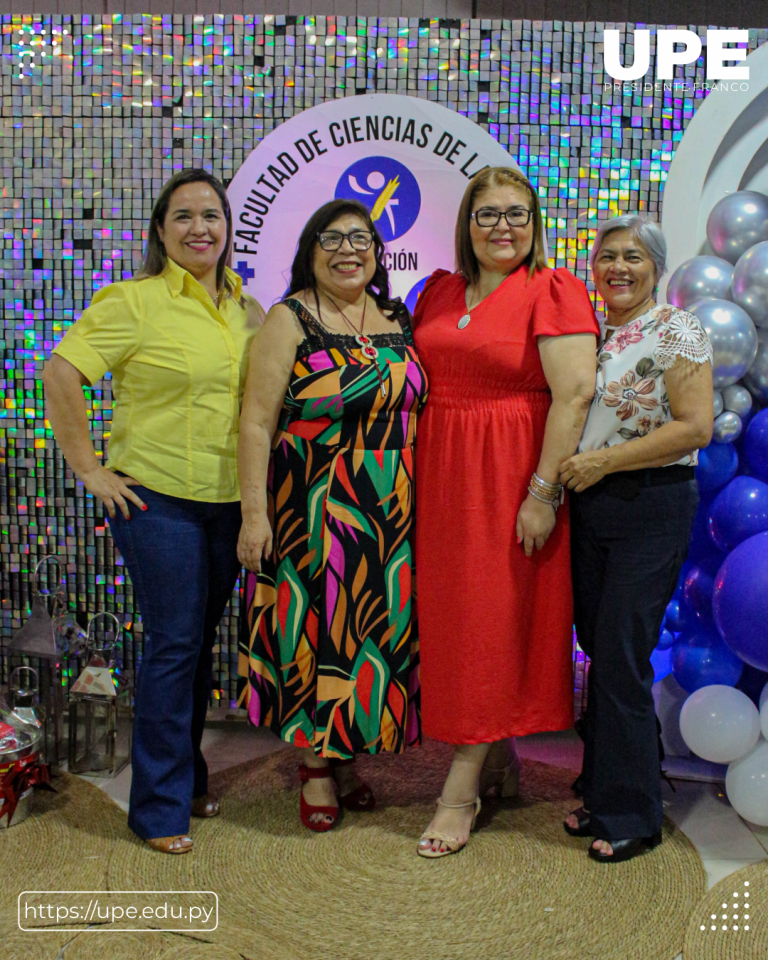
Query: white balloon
[[763, 695], [719, 403], [719, 723], [746, 785], [764, 719]]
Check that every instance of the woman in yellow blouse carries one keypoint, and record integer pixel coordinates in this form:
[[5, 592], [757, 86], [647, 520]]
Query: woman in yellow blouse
[[176, 339]]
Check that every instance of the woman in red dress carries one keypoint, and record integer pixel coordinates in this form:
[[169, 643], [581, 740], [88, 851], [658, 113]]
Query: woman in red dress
[[509, 348]]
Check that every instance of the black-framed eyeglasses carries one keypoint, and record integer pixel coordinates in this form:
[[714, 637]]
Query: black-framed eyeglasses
[[333, 239], [490, 216]]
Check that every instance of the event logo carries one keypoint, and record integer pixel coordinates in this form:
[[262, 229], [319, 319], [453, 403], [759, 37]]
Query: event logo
[[667, 57], [406, 159], [388, 189]]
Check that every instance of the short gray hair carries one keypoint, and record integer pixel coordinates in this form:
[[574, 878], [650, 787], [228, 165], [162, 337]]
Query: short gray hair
[[647, 232]]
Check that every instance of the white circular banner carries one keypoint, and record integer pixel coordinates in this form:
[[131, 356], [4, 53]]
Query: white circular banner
[[408, 160]]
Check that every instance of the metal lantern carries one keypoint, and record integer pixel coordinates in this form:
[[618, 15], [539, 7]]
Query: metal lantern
[[37, 638], [20, 740], [100, 709]]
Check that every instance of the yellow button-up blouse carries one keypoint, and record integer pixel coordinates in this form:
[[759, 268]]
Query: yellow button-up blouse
[[178, 373]]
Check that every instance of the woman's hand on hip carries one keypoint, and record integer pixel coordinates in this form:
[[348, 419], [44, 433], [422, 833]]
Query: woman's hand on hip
[[535, 522], [113, 491], [254, 542], [584, 469]]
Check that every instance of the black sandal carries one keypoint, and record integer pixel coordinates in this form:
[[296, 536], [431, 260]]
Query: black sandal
[[624, 849], [584, 828]]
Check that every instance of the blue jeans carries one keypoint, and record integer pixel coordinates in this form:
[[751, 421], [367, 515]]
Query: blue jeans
[[182, 559]]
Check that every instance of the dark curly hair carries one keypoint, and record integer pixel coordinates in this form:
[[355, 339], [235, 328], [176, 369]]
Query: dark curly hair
[[302, 275]]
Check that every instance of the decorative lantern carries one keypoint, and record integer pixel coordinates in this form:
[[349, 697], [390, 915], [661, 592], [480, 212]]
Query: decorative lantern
[[20, 739], [38, 638], [100, 709]]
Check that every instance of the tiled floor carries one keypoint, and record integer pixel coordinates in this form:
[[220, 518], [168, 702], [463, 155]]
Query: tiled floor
[[701, 810]]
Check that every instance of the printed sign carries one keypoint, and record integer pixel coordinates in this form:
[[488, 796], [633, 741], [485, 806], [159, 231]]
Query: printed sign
[[408, 160]]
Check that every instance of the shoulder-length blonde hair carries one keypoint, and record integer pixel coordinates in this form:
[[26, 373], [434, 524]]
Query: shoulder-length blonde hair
[[466, 261], [155, 257]]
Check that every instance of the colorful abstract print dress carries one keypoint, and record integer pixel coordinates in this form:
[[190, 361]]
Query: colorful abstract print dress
[[329, 651]]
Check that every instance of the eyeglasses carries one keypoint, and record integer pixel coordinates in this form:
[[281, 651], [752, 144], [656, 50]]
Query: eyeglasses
[[333, 239], [490, 217]]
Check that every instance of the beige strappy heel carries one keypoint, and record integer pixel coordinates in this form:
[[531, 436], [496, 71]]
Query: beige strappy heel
[[452, 843]]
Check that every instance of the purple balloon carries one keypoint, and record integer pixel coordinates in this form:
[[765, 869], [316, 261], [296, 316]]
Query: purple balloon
[[756, 445], [740, 511], [697, 593], [718, 464], [740, 603], [700, 658]]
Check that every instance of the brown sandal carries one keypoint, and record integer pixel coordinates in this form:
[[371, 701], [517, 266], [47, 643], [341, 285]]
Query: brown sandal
[[171, 844], [205, 806]]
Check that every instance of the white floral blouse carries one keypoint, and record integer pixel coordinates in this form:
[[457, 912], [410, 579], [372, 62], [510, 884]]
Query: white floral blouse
[[630, 395]]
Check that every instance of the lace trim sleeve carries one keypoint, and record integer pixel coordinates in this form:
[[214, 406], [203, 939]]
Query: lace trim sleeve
[[682, 335]]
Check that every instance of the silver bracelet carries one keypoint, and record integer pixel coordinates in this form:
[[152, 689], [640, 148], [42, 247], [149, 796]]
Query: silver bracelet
[[553, 503]]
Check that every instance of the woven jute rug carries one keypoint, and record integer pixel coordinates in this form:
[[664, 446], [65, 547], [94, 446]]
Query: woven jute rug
[[731, 920], [521, 888], [64, 845]]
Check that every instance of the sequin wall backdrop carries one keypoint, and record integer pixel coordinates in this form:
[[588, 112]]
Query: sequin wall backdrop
[[98, 111]]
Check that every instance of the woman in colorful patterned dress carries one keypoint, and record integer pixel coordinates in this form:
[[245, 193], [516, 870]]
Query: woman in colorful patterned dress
[[329, 657], [632, 512]]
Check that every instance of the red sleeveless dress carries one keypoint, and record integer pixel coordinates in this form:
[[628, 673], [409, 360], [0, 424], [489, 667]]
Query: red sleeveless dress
[[495, 626]]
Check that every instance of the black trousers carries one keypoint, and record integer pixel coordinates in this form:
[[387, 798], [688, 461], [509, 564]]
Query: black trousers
[[628, 545]]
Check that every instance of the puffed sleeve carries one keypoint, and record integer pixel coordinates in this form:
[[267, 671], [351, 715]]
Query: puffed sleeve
[[681, 335], [107, 333], [425, 295], [563, 306]]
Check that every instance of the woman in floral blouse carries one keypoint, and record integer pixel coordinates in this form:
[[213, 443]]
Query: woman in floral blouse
[[631, 522]]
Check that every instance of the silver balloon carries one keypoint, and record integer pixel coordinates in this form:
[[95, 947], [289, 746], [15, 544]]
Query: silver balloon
[[727, 428], [736, 223], [756, 381], [733, 337], [737, 399], [750, 283], [717, 401], [698, 278]]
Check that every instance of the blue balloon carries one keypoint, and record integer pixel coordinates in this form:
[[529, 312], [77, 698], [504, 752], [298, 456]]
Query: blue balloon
[[700, 658], [661, 661], [681, 577], [752, 682], [666, 639], [698, 595], [718, 464], [740, 602], [740, 511], [677, 617], [756, 445]]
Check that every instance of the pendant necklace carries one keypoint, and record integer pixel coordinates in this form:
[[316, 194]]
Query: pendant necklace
[[466, 318], [366, 346]]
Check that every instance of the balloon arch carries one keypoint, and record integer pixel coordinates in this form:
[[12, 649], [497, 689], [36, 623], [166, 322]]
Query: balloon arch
[[714, 639]]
